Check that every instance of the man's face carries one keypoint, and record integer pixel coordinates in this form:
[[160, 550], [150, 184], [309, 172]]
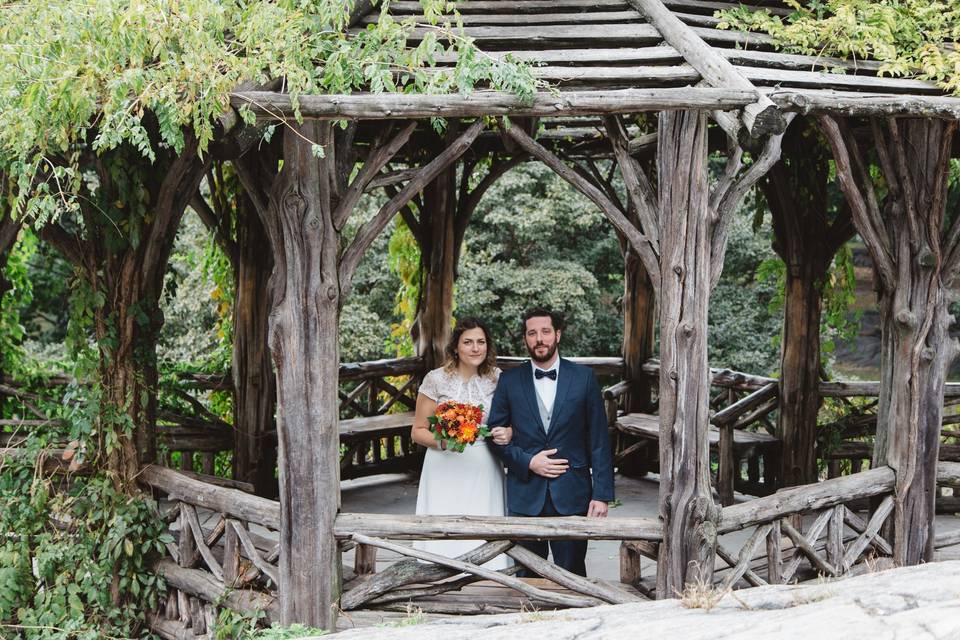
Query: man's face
[[541, 339]]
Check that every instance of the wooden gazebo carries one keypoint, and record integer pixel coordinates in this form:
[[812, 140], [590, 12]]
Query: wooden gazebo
[[608, 61]]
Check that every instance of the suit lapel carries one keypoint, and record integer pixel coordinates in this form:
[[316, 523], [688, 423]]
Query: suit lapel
[[530, 393], [565, 380]]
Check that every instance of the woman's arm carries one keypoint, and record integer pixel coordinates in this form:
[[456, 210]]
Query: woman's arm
[[420, 432]]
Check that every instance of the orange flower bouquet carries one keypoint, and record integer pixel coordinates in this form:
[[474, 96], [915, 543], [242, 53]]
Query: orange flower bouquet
[[457, 424]]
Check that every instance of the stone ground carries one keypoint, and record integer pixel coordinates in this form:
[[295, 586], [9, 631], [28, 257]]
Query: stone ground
[[912, 603], [397, 494]]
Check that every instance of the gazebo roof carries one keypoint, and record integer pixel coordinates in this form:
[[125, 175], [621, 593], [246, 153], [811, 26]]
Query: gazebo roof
[[606, 56]]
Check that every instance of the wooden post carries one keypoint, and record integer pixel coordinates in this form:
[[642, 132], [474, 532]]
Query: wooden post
[[686, 505], [255, 454], [806, 237], [727, 464], [304, 341], [916, 259], [639, 311], [438, 266]]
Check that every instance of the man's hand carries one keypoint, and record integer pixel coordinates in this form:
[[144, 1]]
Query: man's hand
[[543, 465], [502, 435], [597, 509]]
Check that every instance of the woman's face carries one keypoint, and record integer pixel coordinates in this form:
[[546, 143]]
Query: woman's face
[[472, 347]]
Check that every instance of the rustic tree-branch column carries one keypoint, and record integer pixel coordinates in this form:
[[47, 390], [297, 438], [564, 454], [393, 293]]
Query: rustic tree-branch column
[[916, 260], [687, 508], [306, 292], [806, 237], [438, 266]]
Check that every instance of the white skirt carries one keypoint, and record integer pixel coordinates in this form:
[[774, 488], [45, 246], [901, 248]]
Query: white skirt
[[471, 483]]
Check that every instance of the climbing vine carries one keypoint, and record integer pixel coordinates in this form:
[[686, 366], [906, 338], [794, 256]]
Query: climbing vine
[[914, 38]]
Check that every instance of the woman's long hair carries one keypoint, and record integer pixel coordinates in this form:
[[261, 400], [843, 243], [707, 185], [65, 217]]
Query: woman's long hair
[[489, 363]]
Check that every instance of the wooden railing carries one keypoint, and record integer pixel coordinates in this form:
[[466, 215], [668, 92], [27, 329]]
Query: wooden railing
[[226, 551], [225, 554]]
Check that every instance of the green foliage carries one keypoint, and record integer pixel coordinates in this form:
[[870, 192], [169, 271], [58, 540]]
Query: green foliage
[[404, 261], [915, 38], [533, 240], [276, 632], [75, 561], [743, 324], [80, 76], [14, 299]]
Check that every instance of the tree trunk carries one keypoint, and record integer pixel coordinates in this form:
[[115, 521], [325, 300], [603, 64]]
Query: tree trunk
[[639, 312], [438, 263], [800, 373], [127, 323], [305, 295], [255, 389], [686, 504]]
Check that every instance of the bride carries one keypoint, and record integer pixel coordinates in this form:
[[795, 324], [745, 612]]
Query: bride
[[469, 483]]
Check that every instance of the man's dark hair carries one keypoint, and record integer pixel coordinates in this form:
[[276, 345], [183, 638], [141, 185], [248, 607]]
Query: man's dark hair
[[539, 312]]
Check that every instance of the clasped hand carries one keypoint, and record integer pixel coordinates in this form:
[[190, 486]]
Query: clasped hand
[[502, 435], [543, 465]]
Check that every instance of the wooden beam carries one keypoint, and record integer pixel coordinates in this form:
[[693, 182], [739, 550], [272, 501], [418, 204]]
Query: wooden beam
[[807, 498], [410, 571], [357, 106], [852, 103], [760, 118], [477, 19], [413, 527], [564, 578]]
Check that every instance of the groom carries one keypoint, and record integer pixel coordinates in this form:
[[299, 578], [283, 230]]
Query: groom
[[559, 435]]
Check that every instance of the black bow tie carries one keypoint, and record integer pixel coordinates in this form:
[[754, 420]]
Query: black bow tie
[[540, 373]]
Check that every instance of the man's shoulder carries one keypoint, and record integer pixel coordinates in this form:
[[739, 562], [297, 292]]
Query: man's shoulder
[[575, 367], [515, 372]]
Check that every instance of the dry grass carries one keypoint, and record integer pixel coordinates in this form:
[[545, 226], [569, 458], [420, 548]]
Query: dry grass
[[702, 595]]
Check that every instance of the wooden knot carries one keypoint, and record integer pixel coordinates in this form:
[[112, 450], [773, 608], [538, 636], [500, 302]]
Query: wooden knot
[[926, 258], [674, 375], [927, 354], [906, 319], [331, 292], [677, 269], [688, 329]]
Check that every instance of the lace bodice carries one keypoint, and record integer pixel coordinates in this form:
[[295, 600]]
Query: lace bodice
[[441, 385]]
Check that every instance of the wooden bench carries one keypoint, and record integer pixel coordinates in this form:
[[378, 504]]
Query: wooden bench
[[378, 444], [746, 445]]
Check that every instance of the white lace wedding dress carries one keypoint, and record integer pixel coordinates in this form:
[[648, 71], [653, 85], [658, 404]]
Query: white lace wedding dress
[[469, 483]]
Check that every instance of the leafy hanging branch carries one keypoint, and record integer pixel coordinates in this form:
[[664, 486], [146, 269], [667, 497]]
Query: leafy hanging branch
[[913, 38], [79, 76]]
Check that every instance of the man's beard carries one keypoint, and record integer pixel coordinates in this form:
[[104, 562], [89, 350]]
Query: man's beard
[[551, 350]]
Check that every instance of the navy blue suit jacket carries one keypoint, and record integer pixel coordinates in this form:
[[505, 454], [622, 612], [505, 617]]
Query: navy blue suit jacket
[[578, 431]]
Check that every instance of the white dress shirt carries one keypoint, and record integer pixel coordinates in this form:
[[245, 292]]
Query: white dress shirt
[[546, 388]]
